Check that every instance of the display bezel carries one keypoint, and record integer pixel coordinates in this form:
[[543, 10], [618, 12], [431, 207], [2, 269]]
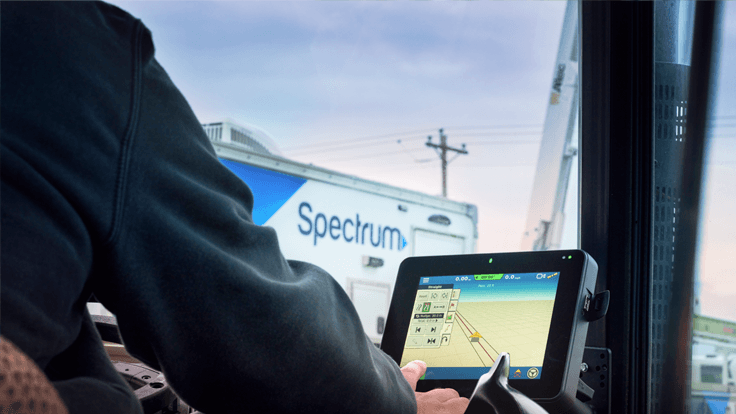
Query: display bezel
[[568, 298]]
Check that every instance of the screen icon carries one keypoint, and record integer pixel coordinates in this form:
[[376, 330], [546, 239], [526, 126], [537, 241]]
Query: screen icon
[[532, 373], [490, 276], [414, 341]]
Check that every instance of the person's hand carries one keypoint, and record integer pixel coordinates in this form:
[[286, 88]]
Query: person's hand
[[437, 401]]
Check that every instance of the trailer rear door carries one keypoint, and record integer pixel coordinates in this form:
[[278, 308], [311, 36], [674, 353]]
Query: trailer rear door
[[430, 243]]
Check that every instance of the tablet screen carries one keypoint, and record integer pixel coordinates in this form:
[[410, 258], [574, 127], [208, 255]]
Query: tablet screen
[[460, 323]]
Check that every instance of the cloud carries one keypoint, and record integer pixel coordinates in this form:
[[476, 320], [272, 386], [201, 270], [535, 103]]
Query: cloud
[[339, 70]]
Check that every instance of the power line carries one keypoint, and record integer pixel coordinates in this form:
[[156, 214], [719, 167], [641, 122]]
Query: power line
[[349, 140], [410, 153], [414, 167], [387, 139], [375, 144], [492, 134], [421, 131], [406, 150], [497, 126], [483, 143], [327, 152], [367, 156], [494, 129], [345, 147]]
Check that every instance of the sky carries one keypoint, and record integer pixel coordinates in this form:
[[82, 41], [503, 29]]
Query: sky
[[717, 242], [339, 84], [357, 87]]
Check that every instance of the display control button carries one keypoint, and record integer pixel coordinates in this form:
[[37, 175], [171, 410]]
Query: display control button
[[414, 342], [431, 341]]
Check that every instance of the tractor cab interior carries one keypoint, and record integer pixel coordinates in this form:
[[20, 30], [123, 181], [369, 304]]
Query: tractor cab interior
[[627, 236]]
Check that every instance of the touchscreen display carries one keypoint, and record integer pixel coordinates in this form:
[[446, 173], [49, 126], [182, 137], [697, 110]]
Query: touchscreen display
[[460, 323]]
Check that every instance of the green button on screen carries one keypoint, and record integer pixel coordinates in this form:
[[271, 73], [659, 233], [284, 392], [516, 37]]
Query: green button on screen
[[491, 276]]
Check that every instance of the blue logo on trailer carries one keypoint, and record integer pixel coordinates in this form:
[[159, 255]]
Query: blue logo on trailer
[[348, 230], [717, 406], [712, 402], [270, 189]]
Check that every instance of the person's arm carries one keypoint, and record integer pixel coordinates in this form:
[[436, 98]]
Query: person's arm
[[110, 186], [436, 401], [205, 295]]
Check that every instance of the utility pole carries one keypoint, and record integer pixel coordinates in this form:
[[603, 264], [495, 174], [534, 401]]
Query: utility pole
[[443, 148]]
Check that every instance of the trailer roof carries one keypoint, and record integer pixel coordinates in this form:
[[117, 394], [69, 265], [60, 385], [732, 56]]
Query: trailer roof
[[276, 163]]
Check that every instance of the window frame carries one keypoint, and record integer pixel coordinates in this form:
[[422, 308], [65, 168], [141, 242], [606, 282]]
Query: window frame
[[616, 191]]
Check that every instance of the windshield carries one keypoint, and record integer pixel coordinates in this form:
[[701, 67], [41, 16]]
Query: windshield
[[386, 129]]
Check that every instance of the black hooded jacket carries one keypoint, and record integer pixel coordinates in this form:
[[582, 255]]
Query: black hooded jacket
[[110, 186]]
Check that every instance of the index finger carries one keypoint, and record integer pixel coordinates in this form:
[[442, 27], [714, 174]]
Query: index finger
[[413, 371]]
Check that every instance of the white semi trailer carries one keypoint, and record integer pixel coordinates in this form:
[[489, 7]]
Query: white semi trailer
[[357, 230], [713, 366]]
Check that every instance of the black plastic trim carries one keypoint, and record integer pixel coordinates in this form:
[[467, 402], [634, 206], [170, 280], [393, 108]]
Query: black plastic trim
[[568, 329], [675, 398], [617, 65]]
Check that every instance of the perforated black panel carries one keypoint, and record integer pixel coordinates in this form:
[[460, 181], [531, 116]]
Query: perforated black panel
[[597, 374], [670, 109]]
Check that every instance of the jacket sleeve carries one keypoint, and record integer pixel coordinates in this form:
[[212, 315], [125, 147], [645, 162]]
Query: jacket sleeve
[[205, 295]]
